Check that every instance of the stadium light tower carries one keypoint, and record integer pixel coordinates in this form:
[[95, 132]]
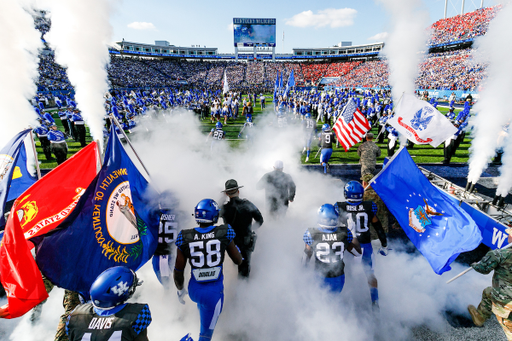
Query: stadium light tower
[[462, 7]]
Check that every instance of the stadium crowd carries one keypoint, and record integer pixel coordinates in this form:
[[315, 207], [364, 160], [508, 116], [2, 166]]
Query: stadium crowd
[[462, 27]]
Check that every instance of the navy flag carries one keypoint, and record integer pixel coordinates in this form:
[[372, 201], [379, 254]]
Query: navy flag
[[8, 160], [113, 224], [432, 220], [21, 177]]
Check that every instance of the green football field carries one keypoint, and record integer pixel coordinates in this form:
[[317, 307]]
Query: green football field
[[420, 153]]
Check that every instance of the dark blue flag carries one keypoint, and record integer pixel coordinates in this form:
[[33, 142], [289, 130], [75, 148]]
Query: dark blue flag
[[436, 225], [8, 159], [112, 224], [290, 83], [21, 177]]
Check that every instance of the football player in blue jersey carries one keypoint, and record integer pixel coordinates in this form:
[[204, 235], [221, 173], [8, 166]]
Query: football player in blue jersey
[[204, 248], [108, 317], [217, 134], [356, 214], [328, 242], [309, 127], [326, 140]]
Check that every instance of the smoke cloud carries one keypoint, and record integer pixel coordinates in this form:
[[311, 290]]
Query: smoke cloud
[[282, 300], [79, 34], [491, 113], [19, 45], [405, 44], [492, 109]]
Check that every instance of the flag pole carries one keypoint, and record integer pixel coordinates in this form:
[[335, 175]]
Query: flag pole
[[99, 153], [392, 112], [38, 170], [470, 268], [116, 122]]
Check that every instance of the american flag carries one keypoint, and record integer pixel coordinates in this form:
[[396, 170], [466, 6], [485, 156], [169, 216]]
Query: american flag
[[351, 125]]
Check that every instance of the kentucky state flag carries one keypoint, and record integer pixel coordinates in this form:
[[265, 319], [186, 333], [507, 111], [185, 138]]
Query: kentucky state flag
[[435, 224], [111, 225], [8, 160]]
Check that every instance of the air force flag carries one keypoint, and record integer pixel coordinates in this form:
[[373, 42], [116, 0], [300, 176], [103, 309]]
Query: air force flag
[[420, 122], [434, 223]]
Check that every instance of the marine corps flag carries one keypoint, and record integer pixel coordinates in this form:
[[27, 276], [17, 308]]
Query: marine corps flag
[[20, 276], [420, 122], [111, 225], [64, 185]]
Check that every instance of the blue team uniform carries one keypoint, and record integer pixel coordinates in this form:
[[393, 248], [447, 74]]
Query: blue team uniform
[[205, 249]]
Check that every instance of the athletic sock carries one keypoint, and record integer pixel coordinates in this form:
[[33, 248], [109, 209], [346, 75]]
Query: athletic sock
[[374, 293]]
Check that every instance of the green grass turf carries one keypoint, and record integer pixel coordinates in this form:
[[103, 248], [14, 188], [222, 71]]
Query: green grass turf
[[420, 153]]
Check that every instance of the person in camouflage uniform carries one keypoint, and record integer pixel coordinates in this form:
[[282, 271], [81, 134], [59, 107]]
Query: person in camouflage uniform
[[368, 153], [70, 301], [498, 298], [382, 210]]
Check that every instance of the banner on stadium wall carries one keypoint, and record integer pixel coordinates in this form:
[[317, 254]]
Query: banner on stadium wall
[[447, 93], [493, 232]]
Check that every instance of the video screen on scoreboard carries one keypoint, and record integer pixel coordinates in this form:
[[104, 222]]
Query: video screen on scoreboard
[[251, 32]]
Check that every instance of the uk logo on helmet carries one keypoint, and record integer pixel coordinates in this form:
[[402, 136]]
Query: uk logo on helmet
[[120, 288]]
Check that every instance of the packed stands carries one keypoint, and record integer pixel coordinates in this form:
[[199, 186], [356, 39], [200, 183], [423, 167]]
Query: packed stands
[[372, 74], [450, 71], [461, 27], [313, 72], [255, 73]]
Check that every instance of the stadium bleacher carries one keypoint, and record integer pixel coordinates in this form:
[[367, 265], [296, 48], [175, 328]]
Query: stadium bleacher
[[454, 70]]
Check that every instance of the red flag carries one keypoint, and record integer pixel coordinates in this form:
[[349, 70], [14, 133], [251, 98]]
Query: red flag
[[44, 205], [20, 275], [351, 125]]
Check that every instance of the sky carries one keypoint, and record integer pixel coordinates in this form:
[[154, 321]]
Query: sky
[[306, 24]]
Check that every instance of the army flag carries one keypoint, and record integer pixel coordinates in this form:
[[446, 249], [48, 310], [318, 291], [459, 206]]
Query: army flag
[[20, 276], [8, 159], [46, 204], [434, 223], [420, 122], [113, 224]]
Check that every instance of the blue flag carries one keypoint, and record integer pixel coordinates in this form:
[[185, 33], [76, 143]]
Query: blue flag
[[112, 224], [8, 159], [290, 83], [21, 177], [435, 224]]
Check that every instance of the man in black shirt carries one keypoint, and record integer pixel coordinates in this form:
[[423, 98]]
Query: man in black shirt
[[239, 213], [279, 190]]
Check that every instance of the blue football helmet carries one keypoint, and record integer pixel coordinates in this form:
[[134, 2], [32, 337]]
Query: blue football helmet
[[326, 127], [353, 192], [218, 125], [207, 211], [308, 115], [327, 216], [113, 287]]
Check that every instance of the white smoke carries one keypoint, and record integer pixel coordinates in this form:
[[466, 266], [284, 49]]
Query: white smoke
[[19, 45], [282, 300], [406, 43], [492, 108], [80, 35]]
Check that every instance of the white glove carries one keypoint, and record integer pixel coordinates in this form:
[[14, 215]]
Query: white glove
[[384, 250], [181, 294]]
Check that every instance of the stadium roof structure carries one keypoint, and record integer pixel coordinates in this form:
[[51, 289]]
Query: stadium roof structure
[[160, 50]]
